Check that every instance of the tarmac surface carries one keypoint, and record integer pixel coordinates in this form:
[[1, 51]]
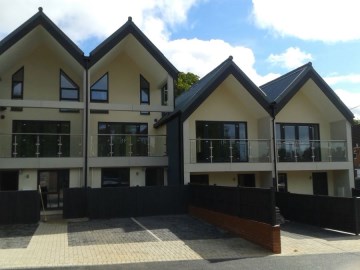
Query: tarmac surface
[[174, 240]]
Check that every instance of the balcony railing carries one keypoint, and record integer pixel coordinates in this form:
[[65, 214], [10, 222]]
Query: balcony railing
[[39, 145], [229, 151], [123, 145], [311, 151]]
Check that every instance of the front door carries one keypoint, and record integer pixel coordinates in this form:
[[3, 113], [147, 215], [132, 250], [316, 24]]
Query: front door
[[52, 184], [154, 177], [320, 184]]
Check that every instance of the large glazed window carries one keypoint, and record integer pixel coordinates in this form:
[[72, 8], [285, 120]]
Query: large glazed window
[[68, 89], [100, 89], [221, 141], [298, 142], [41, 138], [115, 177], [122, 139]]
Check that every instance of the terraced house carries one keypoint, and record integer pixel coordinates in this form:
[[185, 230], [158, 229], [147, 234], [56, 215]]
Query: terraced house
[[110, 119]]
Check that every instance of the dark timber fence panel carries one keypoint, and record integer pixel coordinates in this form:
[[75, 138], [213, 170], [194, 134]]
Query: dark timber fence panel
[[337, 213], [19, 207], [250, 203], [136, 201], [75, 203]]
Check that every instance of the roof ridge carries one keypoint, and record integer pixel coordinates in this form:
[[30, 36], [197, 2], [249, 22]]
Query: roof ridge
[[303, 67]]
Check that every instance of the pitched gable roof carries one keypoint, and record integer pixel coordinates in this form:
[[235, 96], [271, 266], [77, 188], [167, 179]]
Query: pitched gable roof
[[282, 89], [130, 28], [41, 19], [190, 100]]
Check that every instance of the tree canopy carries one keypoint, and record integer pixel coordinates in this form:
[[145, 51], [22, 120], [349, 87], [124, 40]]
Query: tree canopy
[[184, 82]]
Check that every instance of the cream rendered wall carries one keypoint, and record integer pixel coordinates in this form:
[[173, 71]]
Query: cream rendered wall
[[28, 179], [137, 176], [265, 179], [300, 182], [341, 184], [300, 110], [41, 75], [124, 81]]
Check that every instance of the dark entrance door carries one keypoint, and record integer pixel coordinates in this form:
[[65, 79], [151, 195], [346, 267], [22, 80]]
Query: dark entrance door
[[154, 177], [246, 180], [52, 184], [320, 184]]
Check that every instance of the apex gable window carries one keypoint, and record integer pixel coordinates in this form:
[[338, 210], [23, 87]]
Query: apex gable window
[[18, 84], [100, 89], [17, 87], [164, 95], [144, 93], [69, 90]]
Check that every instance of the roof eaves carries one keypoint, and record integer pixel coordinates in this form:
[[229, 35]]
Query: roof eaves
[[41, 19], [130, 28]]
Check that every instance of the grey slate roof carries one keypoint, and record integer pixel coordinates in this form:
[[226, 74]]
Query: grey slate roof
[[41, 19], [130, 28], [281, 90], [191, 99]]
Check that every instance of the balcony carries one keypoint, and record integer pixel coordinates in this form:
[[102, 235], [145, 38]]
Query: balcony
[[229, 151], [127, 145], [312, 151], [40, 145]]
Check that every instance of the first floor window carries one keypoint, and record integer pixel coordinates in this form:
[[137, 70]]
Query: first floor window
[[218, 141], [164, 95], [115, 177], [298, 142], [41, 138], [9, 180], [122, 139]]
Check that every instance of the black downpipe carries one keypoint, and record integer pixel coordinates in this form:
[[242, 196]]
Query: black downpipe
[[275, 180], [86, 119]]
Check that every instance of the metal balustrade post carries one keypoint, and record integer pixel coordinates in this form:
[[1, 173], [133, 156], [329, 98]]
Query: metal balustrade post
[[111, 146], [313, 151], [130, 146], [37, 153], [296, 145], [211, 151], [231, 154], [148, 145], [59, 146]]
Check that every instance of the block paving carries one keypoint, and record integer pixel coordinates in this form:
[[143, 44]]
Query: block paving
[[149, 239]]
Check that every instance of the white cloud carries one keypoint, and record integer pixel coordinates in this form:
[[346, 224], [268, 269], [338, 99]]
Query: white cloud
[[324, 20], [336, 79], [84, 19], [293, 57], [351, 99]]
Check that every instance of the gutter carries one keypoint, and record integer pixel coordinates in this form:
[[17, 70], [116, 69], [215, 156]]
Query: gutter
[[275, 178]]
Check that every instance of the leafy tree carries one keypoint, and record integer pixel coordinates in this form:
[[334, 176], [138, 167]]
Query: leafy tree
[[184, 82]]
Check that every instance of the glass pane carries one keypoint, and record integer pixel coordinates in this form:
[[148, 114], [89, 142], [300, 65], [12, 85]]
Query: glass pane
[[229, 131], [69, 94], [101, 84], [17, 89], [144, 96], [99, 95], [66, 82]]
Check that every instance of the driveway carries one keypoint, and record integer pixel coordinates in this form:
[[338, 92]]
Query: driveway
[[120, 241]]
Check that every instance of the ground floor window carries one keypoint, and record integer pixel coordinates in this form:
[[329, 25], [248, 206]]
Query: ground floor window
[[115, 177], [199, 179], [320, 183], [246, 180], [154, 177], [52, 184], [9, 180]]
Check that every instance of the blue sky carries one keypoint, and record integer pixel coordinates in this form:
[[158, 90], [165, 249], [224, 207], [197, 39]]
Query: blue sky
[[266, 38]]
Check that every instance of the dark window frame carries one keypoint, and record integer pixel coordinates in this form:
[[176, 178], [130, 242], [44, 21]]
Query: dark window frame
[[76, 88], [164, 93], [22, 69], [100, 90], [145, 89], [121, 171]]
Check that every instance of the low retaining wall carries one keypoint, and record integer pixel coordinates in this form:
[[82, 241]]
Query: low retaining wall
[[259, 233]]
